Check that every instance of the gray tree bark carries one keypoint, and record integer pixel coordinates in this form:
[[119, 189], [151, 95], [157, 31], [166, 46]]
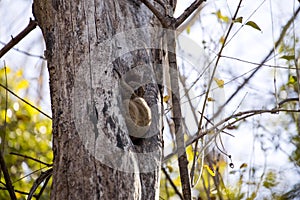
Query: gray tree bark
[[95, 156]]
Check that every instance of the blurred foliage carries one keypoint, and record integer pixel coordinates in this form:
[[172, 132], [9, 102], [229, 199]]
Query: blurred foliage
[[290, 91], [23, 130]]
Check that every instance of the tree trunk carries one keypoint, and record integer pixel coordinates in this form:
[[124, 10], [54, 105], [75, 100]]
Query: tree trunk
[[92, 47]]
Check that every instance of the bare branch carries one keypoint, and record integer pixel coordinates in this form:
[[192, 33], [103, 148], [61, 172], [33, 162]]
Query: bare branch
[[279, 40], [163, 20], [188, 12], [190, 21], [44, 176], [177, 116], [25, 101], [211, 79], [31, 158], [171, 182], [238, 117], [25, 52], [32, 24], [7, 179], [287, 100], [18, 191]]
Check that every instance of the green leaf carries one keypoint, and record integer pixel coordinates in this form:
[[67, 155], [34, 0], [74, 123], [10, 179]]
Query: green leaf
[[288, 57], [253, 25], [292, 79], [238, 20], [270, 180]]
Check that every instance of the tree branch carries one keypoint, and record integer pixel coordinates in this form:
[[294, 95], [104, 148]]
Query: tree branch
[[188, 12], [238, 117], [31, 158], [171, 182], [8, 183], [163, 20], [36, 108], [44, 176], [190, 21], [32, 24], [287, 100], [177, 116]]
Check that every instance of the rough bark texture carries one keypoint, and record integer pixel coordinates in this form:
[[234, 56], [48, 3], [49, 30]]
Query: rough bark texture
[[74, 32]]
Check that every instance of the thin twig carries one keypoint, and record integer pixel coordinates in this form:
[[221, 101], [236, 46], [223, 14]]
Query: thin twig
[[25, 101], [25, 52], [279, 40], [43, 188], [212, 77], [31, 158], [32, 24], [44, 176], [17, 191], [287, 100], [4, 169], [5, 112], [258, 64], [7, 179], [27, 175], [238, 117], [171, 182]]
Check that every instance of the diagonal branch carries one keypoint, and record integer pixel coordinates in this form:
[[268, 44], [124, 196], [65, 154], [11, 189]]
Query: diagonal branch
[[237, 117], [8, 183], [32, 24], [211, 79], [43, 177], [194, 6], [171, 182], [23, 100], [31, 158]]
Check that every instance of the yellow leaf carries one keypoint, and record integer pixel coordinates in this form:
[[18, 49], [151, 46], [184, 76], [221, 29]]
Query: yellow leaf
[[188, 29], [19, 73], [210, 99], [222, 17], [177, 181], [166, 98], [219, 82], [210, 170], [190, 152], [238, 20], [22, 84], [2, 71], [222, 40]]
